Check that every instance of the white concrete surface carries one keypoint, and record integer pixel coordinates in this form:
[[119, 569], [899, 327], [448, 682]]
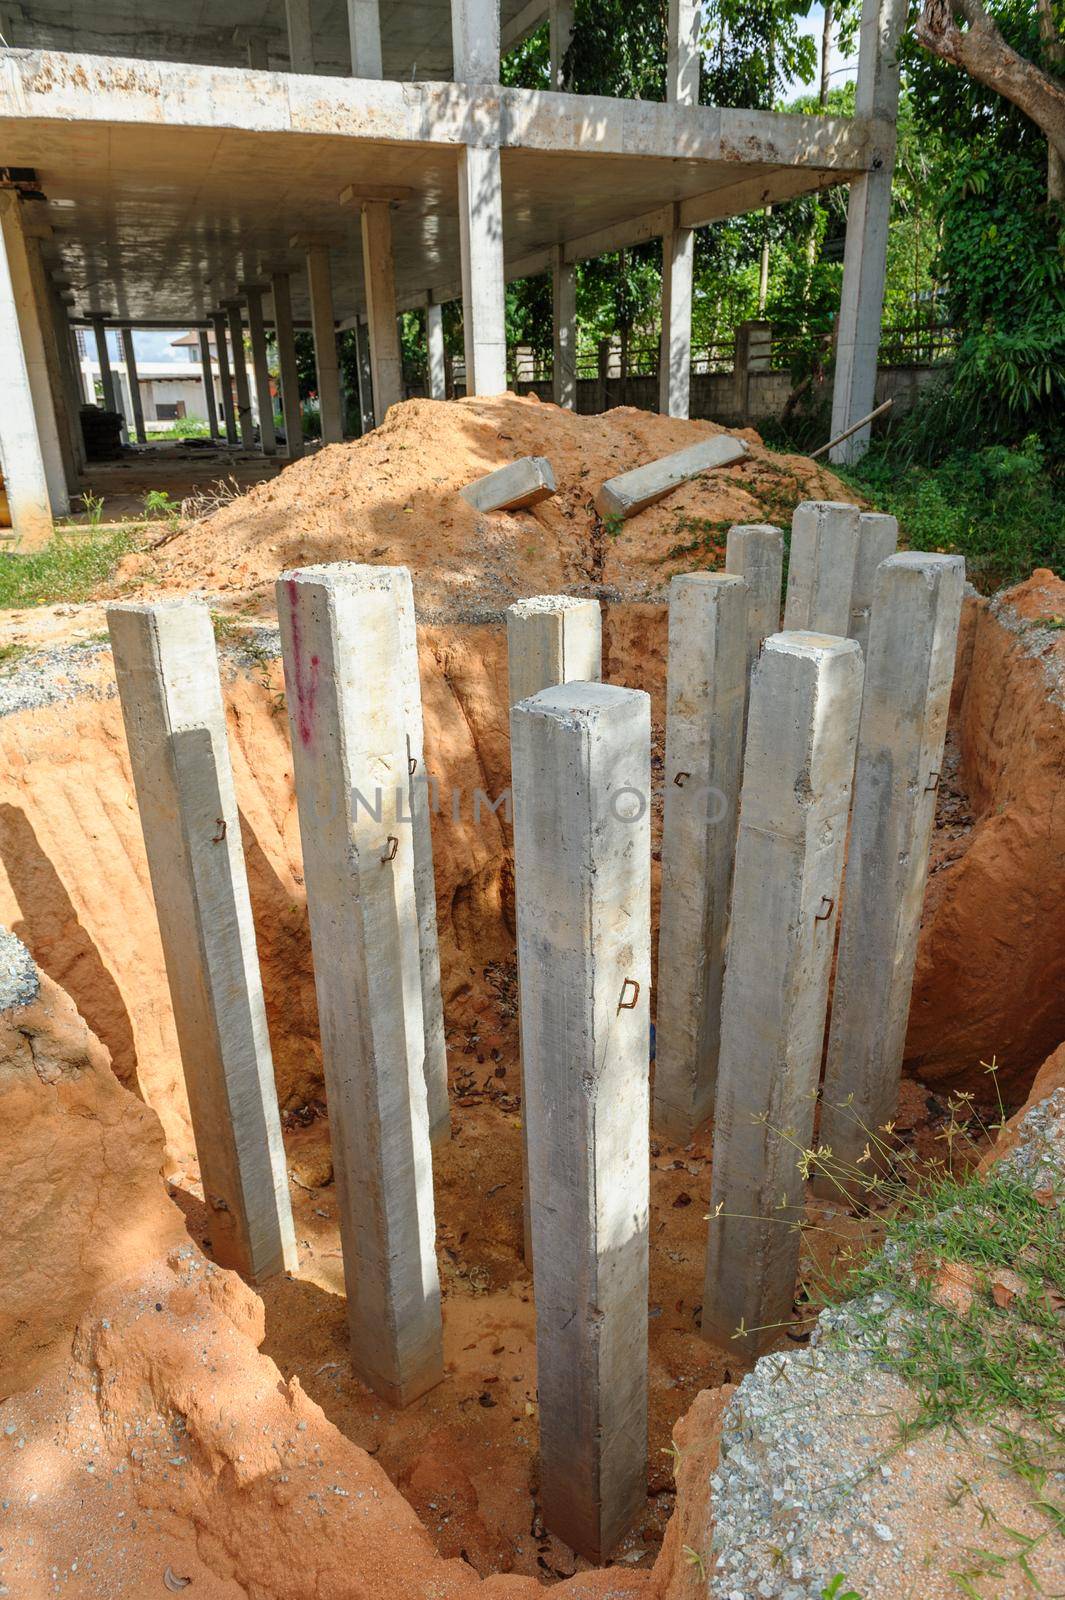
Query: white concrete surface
[[755, 551], [326, 360], [581, 762], [364, 32], [564, 331], [684, 56], [434, 330], [281, 294], [675, 357], [32, 334], [167, 674], [379, 271], [634, 491], [878, 537], [822, 565], [475, 40], [245, 422], [910, 669], [21, 456], [253, 295], [514, 487], [481, 248], [801, 734], [340, 639], [706, 705]]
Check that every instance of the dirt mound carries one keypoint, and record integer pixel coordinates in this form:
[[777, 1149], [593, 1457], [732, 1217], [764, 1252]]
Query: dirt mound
[[393, 497], [990, 978]]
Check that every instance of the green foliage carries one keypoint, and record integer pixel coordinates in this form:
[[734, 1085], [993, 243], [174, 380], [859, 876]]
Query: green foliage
[[93, 506], [157, 503], [68, 569], [1003, 509], [836, 1591]]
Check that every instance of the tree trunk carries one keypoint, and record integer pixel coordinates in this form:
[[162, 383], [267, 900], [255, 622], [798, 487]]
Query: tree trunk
[[982, 52], [826, 56], [1055, 51]]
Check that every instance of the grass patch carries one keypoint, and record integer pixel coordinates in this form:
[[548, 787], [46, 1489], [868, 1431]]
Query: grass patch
[[10, 656], [1002, 509], [76, 562]]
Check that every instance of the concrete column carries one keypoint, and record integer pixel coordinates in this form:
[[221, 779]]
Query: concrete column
[[27, 313], [564, 365], [364, 375], [861, 302], [21, 456], [675, 353], [481, 246], [167, 674], [434, 328], [755, 552], [134, 385], [475, 40], [878, 537], [63, 345], [323, 322], [706, 706], [912, 642], [581, 764], [57, 395], [684, 59], [341, 640], [225, 383], [802, 729], [419, 811], [561, 32], [245, 422], [258, 52], [284, 333], [253, 293], [207, 372], [754, 353], [821, 567], [103, 361], [551, 639], [364, 32], [379, 273], [300, 35]]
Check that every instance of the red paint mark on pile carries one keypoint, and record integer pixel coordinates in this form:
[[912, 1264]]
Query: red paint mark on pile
[[306, 688]]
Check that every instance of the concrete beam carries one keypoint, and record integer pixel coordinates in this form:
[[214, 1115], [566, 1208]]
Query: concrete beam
[[634, 491], [527, 20], [754, 551], [802, 728], [167, 674], [878, 538], [245, 422], [21, 456], [514, 487], [364, 33], [207, 373], [675, 357], [327, 363], [340, 640], [564, 332], [434, 330], [822, 565], [53, 85], [225, 382], [706, 705], [253, 294], [912, 644], [551, 639], [581, 760], [481, 245], [379, 273], [288, 371], [130, 356]]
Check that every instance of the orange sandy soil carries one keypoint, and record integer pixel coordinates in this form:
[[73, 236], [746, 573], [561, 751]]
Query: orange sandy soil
[[74, 887]]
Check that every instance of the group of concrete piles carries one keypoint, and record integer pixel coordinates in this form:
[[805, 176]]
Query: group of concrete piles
[[764, 730], [351, 679]]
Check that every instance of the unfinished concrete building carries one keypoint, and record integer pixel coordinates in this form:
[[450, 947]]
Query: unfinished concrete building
[[272, 163]]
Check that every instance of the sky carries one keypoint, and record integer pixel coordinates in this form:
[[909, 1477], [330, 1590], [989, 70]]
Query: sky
[[156, 346]]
